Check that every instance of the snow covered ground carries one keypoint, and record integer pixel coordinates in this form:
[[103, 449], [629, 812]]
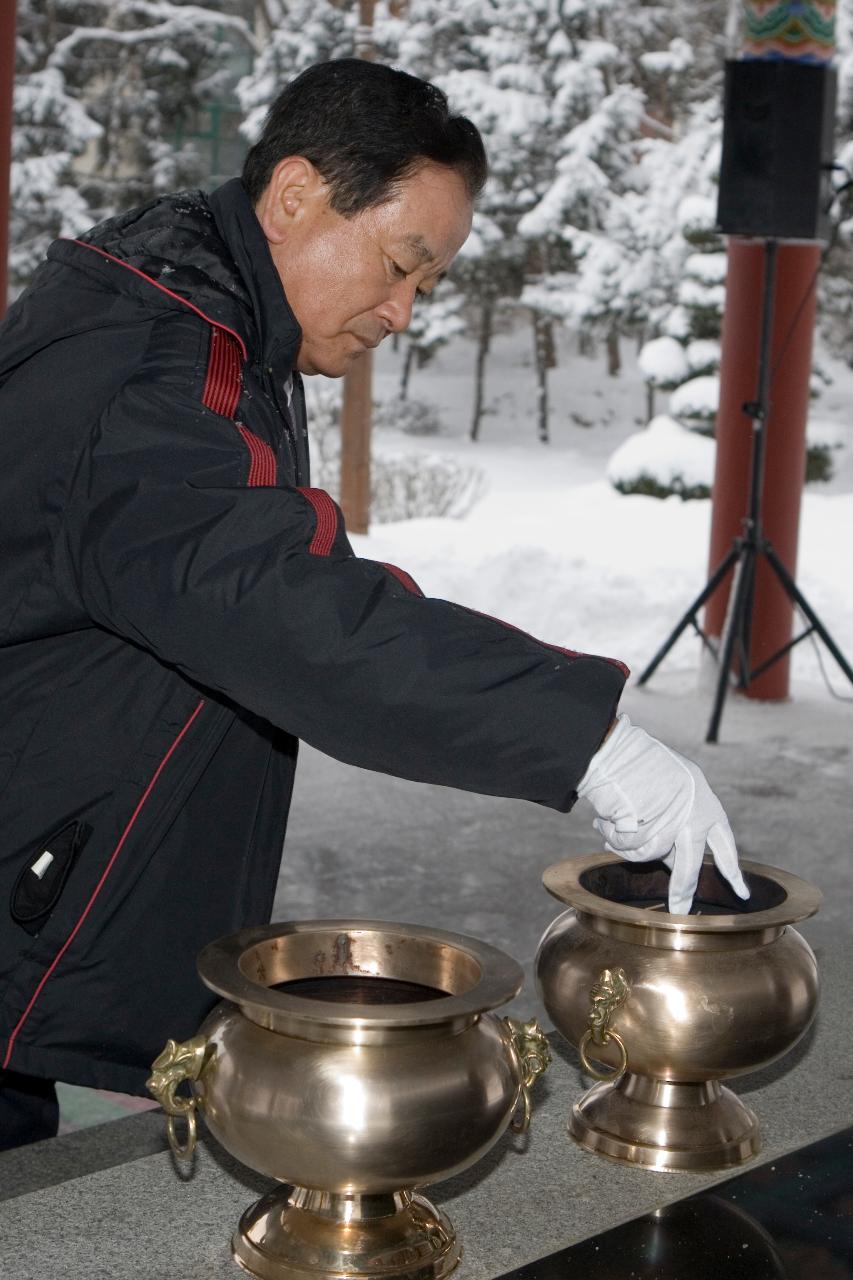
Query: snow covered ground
[[553, 548]]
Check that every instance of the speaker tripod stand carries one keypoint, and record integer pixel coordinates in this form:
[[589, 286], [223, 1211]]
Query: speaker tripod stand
[[746, 551]]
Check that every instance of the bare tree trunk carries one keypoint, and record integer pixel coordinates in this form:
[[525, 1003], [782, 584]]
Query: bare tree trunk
[[650, 401], [265, 24], [357, 405], [487, 314], [355, 443], [408, 362], [549, 344], [614, 356], [541, 349], [604, 35]]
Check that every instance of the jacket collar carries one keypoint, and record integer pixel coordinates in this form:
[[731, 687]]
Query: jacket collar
[[278, 329]]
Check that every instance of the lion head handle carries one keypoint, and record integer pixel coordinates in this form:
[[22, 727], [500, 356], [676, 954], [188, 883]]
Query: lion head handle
[[177, 1062], [606, 995]]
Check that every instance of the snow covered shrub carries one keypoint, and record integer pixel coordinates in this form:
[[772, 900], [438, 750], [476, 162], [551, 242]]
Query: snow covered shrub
[[822, 439], [663, 363], [703, 356], [697, 216], [818, 463], [696, 402], [703, 302], [662, 460], [403, 486], [323, 404], [409, 486], [415, 417]]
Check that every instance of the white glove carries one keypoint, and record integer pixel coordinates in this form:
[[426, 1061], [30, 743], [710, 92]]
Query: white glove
[[653, 803]]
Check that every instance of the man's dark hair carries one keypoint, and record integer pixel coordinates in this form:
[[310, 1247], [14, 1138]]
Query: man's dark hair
[[364, 127]]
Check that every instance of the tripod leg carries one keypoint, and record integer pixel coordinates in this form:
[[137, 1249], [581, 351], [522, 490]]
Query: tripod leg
[[799, 599], [706, 592], [741, 588]]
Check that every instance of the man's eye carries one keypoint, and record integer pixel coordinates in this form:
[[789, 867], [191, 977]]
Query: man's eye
[[397, 270]]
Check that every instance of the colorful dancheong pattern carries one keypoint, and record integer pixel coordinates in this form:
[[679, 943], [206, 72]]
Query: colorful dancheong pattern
[[798, 32]]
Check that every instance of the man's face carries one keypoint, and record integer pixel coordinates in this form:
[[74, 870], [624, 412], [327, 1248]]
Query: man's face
[[352, 281]]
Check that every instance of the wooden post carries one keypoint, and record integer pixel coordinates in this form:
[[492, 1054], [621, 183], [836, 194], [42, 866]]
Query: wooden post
[[785, 428], [7, 85], [356, 410], [785, 439]]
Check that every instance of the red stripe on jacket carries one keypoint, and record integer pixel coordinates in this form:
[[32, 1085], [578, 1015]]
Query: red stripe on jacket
[[262, 468], [567, 653], [406, 578], [157, 285], [223, 383], [99, 886], [327, 521]]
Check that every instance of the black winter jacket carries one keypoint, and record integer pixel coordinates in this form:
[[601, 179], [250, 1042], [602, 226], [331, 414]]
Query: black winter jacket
[[177, 609]]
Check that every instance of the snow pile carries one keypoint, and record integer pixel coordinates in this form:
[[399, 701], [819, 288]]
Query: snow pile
[[665, 456], [707, 268], [553, 548], [821, 434], [696, 215], [677, 59], [703, 355], [663, 362], [823, 439], [696, 399], [699, 296]]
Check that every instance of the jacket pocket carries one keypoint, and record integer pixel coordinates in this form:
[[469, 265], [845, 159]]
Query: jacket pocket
[[43, 877]]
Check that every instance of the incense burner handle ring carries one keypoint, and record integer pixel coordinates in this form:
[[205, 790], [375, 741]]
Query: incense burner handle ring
[[607, 994], [179, 1062], [531, 1052]]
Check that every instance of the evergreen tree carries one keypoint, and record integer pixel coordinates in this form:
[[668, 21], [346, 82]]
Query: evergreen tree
[[835, 284], [301, 33], [435, 320], [102, 87], [596, 128], [681, 263]]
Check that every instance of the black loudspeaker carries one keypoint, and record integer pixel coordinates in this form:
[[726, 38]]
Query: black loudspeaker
[[775, 170]]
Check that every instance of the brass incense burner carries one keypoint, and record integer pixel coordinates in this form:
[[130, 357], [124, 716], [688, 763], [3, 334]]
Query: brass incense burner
[[662, 1007], [354, 1061]]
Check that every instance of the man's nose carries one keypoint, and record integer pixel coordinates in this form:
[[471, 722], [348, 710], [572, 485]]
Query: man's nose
[[396, 310]]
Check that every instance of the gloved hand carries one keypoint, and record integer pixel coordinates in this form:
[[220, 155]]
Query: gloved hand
[[653, 803]]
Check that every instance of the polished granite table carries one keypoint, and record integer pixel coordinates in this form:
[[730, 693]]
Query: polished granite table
[[109, 1203], [785, 1219]]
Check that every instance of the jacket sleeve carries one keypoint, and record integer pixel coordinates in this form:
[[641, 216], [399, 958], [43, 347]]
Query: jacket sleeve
[[241, 590]]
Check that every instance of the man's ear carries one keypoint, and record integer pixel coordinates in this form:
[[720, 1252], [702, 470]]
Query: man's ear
[[293, 189]]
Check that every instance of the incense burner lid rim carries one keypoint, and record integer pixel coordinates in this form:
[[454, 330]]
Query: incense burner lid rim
[[501, 978], [563, 880]]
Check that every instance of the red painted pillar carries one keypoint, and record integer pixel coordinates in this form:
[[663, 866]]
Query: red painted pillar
[[785, 438], [7, 82], [789, 31]]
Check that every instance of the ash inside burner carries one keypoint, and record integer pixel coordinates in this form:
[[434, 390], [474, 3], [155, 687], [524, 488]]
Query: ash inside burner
[[359, 989], [645, 884]]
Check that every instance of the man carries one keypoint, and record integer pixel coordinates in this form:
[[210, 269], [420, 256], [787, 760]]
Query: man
[[179, 607]]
